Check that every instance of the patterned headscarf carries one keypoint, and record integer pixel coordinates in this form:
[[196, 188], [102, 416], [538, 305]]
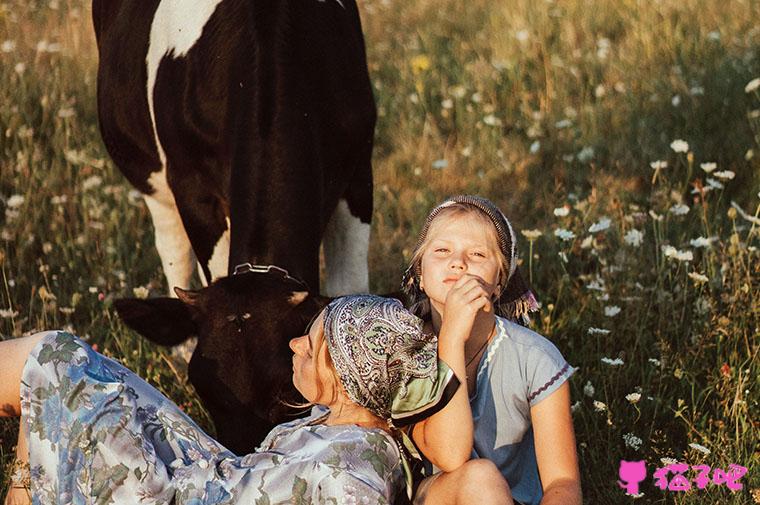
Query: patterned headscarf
[[383, 359], [516, 299]]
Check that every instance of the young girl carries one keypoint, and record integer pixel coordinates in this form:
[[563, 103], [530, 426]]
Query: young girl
[[524, 445], [98, 433]]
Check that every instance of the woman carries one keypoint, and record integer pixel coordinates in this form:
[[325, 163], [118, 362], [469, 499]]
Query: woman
[[94, 431]]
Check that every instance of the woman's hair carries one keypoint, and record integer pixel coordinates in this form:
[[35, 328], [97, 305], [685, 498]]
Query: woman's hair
[[418, 302]]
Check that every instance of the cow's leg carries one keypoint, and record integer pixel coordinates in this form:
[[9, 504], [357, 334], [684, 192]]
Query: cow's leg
[[346, 243], [173, 245]]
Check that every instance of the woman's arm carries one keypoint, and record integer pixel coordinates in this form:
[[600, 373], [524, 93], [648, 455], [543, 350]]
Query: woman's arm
[[555, 448], [13, 355]]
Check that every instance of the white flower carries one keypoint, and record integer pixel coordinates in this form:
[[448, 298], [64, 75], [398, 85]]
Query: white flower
[[535, 146], [709, 166], [634, 238], [447, 103], [522, 35], [596, 285], [586, 154], [8, 46], [587, 242], [712, 183], [91, 182], [564, 123], [600, 225], [658, 165], [701, 242], [676, 100], [598, 331], [140, 292], [612, 362], [668, 461], [700, 448], [588, 389], [562, 211], [599, 406], [752, 85], [440, 164], [679, 209], [492, 120], [698, 278], [15, 201], [611, 310], [531, 234], [632, 441], [564, 234], [633, 397], [671, 252], [8, 313], [654, 361], [575, 406], [66, 112], [725, 174], [655, 216], [680, 146], [476, 97], [20, 68]]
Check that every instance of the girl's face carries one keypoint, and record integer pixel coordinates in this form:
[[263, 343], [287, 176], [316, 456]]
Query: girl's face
[[458, 245], [310, 369]]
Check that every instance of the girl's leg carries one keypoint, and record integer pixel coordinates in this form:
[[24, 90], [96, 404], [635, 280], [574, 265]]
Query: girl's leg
[[477, 482], [13, 354]]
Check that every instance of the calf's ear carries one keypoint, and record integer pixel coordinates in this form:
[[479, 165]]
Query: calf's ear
[[165, 321]]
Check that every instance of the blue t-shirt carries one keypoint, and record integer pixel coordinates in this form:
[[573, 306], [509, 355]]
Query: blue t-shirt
[[519, 369]]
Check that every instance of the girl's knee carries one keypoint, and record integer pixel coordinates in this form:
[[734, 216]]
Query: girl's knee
[[481, 480]]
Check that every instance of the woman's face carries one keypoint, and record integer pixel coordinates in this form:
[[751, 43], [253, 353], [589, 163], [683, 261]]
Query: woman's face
[[310, 370], [458, 245]]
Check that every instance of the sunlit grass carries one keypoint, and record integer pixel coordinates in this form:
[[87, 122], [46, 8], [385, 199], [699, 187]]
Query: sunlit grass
[[562, 112]]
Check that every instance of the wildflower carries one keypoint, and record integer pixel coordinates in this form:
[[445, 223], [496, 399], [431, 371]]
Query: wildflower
[[725, 371], [66, 310], [725, 174], [564, 234], [752, 85], [679, 209], [15, 201], [701, 242], [562, 211], [698, 278], [596, 285], [587, 242], [140, 292], [668, 461], [476, 97], [633, 397], [599, 406], [632, 441], [658, 165], [20, 68], [586, 154], [598, 331], [736, 208], [612, 362], [588, 389], [447, 103], [600, 91], [492, 120], [8, 46], [535, 146], [671, 252], [712, 183], [654, 361], [564, 123], [676, 100], [440, 164], [66, 112], [420, 63], [531, 234], [634, 238], [700, 448], [611, 310], [575, 406], [8, 313], [600, 225], [709, 166], [91, 182], [655, 216], [58, 199], [679, 146], [522, 35]]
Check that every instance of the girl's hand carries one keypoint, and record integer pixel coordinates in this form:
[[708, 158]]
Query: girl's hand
[[467, 297]]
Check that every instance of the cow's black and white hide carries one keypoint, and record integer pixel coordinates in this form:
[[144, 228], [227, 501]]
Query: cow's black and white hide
[[248, 127], [242, 365]]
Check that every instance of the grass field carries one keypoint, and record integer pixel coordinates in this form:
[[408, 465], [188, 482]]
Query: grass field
[[622, 137]]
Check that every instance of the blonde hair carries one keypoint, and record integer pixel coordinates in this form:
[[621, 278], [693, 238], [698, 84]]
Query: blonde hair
[[420, 303]]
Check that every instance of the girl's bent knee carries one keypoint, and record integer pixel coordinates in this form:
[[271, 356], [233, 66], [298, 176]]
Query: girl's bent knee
[[481, 482]]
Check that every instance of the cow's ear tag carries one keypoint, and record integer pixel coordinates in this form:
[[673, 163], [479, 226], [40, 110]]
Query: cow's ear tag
[[296, 297], [188, 296]]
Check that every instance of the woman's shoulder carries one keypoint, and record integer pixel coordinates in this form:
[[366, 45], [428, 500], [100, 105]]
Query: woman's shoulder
[[519, 335]]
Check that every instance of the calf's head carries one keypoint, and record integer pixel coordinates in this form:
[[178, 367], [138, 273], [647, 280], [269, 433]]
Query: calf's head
[[241, 366]]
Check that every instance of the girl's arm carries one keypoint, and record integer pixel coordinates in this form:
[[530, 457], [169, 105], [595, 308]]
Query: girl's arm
[[445, 438], [555, 448]]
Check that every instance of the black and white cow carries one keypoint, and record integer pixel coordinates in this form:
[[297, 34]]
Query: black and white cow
[[248, 127]]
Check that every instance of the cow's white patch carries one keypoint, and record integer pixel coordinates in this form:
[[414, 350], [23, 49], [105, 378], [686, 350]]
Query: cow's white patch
[[177, 26], [345, 243], [220, 257], [177, 257]]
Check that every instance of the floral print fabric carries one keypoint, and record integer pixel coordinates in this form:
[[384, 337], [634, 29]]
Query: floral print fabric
[[97, 433]]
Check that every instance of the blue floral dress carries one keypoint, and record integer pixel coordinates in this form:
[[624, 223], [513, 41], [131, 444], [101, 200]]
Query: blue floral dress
[[99, 434]]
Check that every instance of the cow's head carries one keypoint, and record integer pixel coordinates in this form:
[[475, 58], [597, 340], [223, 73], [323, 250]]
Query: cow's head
[[241, 366]]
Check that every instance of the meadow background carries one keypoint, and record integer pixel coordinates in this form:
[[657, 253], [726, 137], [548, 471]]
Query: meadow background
[[622, 137]]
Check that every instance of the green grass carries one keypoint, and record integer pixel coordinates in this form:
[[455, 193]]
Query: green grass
[[537, 105]]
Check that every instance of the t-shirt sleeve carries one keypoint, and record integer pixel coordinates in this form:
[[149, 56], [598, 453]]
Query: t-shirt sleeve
[[546, 371], [343, 487]]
